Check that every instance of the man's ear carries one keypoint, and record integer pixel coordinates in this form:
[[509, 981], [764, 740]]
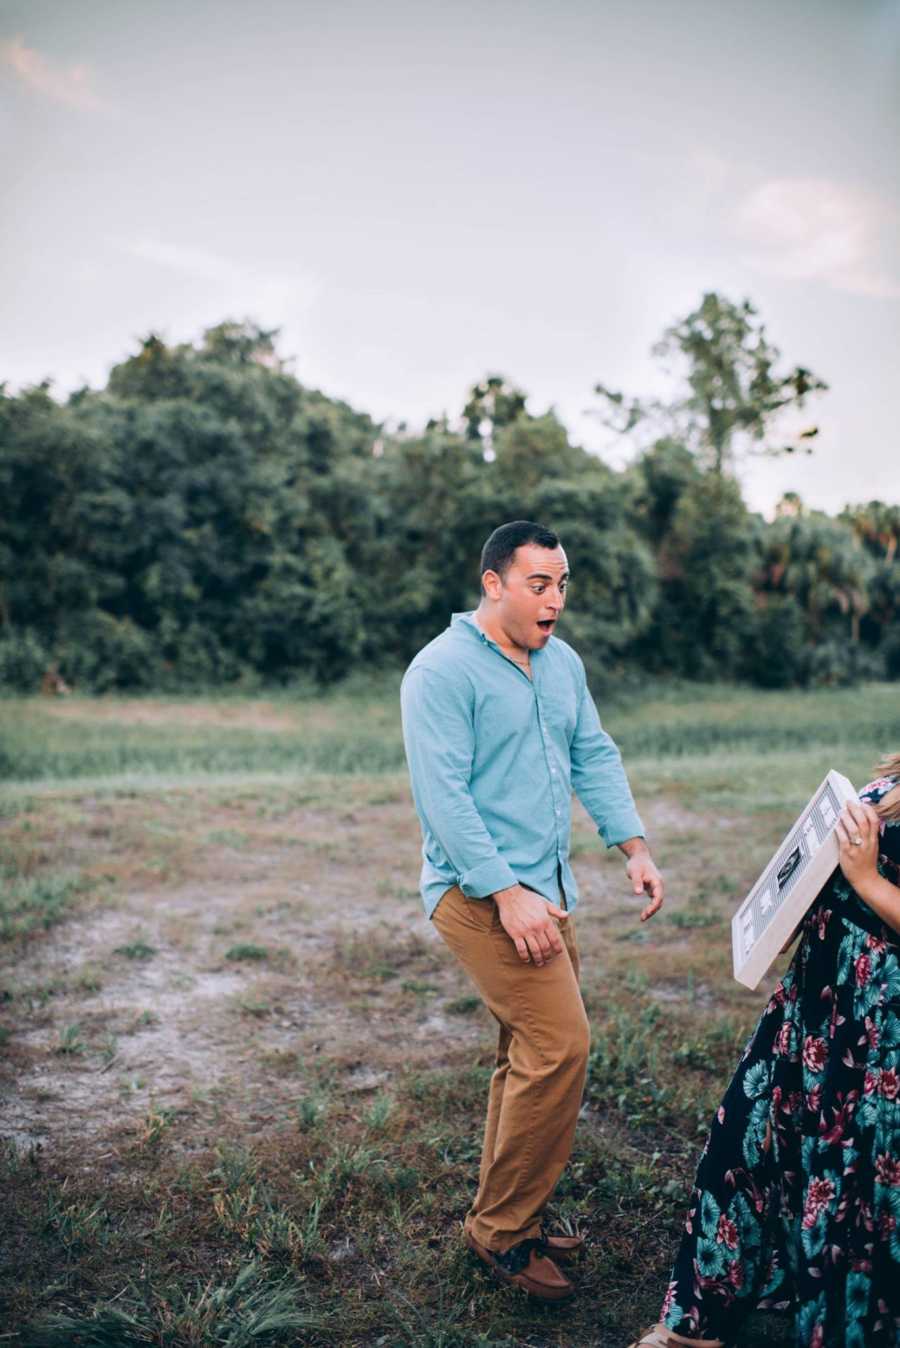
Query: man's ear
[[491, 584]]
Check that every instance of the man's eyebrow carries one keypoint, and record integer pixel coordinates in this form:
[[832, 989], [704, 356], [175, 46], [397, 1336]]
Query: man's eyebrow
[[542, 575]]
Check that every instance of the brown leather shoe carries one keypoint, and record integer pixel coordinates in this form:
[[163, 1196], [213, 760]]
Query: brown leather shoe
[[561, 1246], [524, 1266]]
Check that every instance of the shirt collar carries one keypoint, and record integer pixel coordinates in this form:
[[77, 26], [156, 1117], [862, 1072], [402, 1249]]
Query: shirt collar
[[468, 620]]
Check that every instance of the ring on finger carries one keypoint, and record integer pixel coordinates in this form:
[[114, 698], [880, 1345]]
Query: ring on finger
[[857, 841]]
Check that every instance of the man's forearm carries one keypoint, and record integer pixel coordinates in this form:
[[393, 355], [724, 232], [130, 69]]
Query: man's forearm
[[633, 847]]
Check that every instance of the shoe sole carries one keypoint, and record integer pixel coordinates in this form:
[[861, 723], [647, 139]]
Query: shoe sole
[[538, 1290]]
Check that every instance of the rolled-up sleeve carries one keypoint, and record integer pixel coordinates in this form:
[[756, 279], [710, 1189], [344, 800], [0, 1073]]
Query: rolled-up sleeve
[[599, 778], [439, 737]]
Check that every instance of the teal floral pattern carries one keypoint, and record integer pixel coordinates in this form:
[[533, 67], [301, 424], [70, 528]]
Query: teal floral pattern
[[796, 1204]]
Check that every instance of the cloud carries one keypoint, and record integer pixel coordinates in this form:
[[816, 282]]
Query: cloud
[[195, 262], [269, 296], [64, 84], [814, 229]]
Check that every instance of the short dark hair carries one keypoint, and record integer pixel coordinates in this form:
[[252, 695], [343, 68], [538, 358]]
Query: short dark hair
[[500, 549]]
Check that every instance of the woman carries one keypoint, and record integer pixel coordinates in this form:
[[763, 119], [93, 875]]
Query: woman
[[796, 1204]]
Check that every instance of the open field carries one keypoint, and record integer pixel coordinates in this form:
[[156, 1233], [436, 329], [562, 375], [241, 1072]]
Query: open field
[[242, 1081]]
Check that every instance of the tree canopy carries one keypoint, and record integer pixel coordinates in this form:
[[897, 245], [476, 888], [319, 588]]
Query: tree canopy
[[205, 518], [732, 395]]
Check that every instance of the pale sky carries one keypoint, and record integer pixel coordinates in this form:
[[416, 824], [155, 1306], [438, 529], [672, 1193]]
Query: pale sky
[[421, 193]]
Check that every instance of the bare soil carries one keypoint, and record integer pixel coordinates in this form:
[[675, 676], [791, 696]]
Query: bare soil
[[242, 951]]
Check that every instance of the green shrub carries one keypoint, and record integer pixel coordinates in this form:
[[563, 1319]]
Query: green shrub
[[23, 661], [891, 651], [775, 651], [838, 663], [98, 652]]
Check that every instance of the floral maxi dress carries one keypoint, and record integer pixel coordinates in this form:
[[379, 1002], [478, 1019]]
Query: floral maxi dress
[[796, 1203]]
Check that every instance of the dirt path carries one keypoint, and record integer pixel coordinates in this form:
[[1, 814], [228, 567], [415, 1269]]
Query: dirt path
[[243, 952], [222, 991]]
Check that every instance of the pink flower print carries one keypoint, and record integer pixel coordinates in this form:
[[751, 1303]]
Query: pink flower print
[[873, 1034], [727, 1232], [834, 1020], [720, 1113], [890, 1083], [823, 922], [841, 1116], [887, 1170], [886, 1225], [871, 1083], [876, 944], [735, 1274], [668, 1299], [814, 1099], [783, 1039], [818, 1196], [815, 1053], [818, 1337], [863, 967]]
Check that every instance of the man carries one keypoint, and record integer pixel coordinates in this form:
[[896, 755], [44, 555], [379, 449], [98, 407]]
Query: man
[[499, 726]]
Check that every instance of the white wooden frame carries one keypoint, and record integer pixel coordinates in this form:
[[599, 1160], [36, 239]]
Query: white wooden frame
[[790, 883]]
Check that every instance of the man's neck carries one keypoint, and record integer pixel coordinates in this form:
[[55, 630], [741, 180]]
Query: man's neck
[[521, 654]]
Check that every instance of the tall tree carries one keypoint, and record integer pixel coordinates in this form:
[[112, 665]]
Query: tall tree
[[705, 565], [732, 395], [818, 561], [658, 479], [877, 524], [491, 405]]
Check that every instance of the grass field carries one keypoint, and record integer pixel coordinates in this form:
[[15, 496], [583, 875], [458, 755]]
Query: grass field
[[242, 1080]]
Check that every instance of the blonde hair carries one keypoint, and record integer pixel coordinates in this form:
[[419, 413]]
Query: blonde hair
[[890, 767]]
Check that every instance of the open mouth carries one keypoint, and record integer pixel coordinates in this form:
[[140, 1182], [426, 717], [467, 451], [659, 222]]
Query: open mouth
[[547, 624]]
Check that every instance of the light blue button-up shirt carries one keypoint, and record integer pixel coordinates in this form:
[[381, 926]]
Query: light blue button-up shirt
[[493, 758]]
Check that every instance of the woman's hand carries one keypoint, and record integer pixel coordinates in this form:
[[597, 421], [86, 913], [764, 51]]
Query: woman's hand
[[859, 831]]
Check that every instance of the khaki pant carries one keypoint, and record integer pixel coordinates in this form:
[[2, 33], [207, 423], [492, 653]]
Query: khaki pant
[[535, 1092]]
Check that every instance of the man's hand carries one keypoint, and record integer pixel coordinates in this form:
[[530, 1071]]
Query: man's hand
[[642, 872], [527, 919]]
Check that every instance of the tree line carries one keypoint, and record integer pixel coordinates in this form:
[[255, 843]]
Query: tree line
[[205, 519]]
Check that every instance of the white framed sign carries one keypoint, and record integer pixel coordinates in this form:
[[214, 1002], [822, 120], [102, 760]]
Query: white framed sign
[[790, 883]]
